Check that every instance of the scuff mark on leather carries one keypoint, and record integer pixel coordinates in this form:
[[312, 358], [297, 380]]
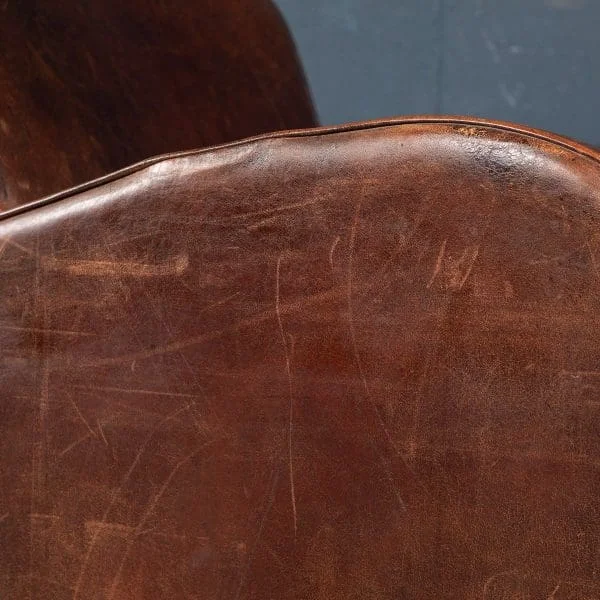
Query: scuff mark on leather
[[103, 268]]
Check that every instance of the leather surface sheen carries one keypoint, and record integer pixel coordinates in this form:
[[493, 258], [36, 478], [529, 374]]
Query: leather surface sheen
[[90, 86], [355, 363]]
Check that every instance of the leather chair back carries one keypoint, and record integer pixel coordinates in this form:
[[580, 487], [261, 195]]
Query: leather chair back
[[359, 362]]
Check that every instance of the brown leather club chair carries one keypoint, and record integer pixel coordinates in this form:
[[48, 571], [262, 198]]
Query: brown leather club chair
[[88, 87], [359, 362]]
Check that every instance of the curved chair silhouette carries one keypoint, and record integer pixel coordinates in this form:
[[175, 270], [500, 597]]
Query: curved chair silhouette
[[358, 362], [88, 88]]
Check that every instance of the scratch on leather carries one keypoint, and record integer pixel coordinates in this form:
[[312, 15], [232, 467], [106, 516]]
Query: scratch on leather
[[290, 392]]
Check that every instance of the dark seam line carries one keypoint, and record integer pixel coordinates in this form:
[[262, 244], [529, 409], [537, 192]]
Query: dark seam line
[[297, 133]]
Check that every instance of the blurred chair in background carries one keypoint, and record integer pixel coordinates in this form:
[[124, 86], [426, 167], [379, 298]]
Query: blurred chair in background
[[89, 87]]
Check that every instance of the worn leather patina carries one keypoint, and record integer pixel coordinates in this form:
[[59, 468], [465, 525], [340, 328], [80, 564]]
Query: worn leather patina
[[89, 87], [348, 363]]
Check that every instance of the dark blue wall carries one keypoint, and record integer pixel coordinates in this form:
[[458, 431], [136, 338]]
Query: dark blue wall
[[535, 62]]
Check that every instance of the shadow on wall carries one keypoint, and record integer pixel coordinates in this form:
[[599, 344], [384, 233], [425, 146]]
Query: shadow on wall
[[534, 62]]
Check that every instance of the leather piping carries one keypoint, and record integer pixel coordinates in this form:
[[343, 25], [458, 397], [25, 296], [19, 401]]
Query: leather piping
[[561, 141]]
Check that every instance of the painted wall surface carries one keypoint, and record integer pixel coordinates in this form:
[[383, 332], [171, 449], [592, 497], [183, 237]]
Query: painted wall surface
[[535, 62]]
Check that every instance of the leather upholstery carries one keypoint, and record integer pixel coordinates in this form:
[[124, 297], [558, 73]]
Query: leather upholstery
[[349, 363], [88, 87]]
